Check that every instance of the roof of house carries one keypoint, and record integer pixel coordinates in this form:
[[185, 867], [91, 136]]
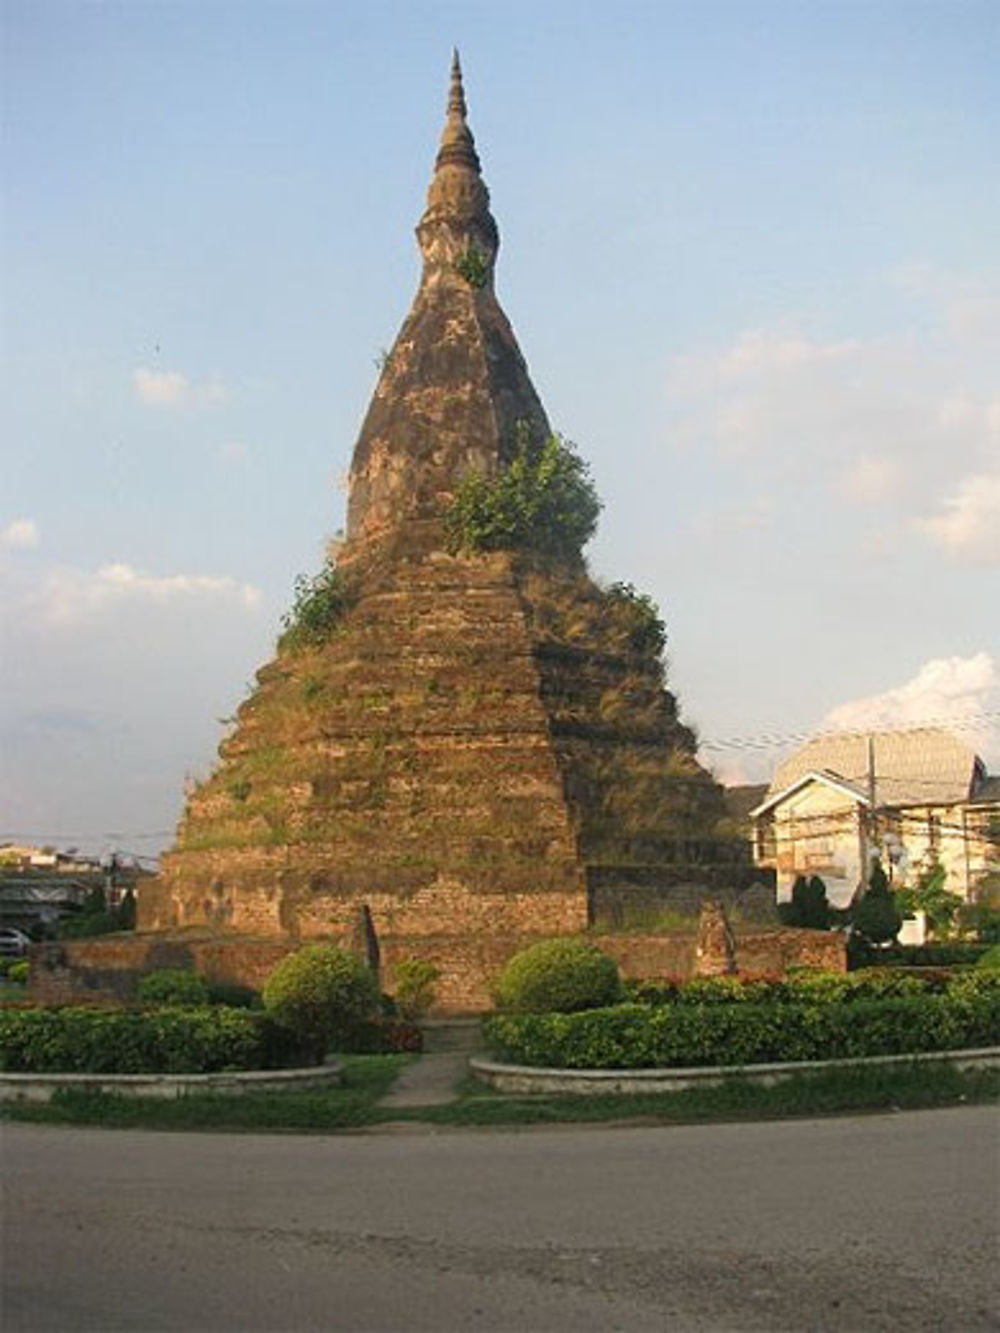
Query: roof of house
[[742, 799], [928, 766]]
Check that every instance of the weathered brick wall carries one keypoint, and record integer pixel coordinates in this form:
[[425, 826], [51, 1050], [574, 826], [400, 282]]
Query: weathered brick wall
[[108, 968]]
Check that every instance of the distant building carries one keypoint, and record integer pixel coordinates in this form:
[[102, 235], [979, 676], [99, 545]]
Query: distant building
[[39, 885], [912, 798]]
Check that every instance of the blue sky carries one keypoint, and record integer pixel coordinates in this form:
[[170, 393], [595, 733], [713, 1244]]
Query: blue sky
[[750, 253]]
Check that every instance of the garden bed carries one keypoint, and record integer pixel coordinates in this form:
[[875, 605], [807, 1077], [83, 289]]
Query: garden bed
[[729, 1023], [526, 1079], [42, 1087]]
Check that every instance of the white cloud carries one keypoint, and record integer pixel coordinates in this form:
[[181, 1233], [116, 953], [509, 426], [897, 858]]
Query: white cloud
[[749, 517], [891, 422], [758, 353], [233, 452], [20, 532], [969, 526], [969, 308], [71, 595], [161, 388], [960, 692], [870, 480], [169, 388]]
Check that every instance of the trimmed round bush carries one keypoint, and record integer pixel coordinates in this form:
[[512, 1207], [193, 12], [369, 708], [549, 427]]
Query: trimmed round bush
[[173, 986], [322, 994], [557, 976]]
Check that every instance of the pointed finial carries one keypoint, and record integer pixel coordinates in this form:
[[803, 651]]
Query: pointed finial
[[458, 148], [456, 93]]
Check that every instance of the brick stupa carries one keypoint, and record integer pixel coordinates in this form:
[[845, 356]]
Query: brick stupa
[[482, 753]]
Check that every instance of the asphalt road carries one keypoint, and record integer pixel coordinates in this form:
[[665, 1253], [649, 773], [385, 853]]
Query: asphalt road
[[870, 1223]]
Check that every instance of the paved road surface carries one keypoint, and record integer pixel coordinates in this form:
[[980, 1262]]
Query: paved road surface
[[881, 1222]]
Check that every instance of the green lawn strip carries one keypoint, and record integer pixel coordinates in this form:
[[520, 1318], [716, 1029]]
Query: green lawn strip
[[367, 1078], [860, 1088]]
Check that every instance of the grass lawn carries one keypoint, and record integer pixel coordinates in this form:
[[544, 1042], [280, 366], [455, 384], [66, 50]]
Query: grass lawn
[[369, 1077]]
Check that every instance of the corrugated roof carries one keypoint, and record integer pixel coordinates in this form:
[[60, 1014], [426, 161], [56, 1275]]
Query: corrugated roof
[[920, 767]]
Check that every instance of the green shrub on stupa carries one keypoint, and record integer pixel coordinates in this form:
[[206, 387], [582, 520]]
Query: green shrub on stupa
[[542, 500]]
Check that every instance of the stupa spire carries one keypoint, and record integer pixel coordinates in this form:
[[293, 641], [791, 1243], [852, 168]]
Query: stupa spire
[[454, 388], [457, 219], [458, 148]]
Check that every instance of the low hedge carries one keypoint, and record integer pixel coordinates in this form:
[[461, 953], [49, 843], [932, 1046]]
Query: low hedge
[[78, 1040], [636, 1036], [173, 985], [807, 987]]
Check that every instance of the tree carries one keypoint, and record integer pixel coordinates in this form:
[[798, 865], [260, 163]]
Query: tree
[[809, 906], [127, 910], [876, 916], [930, 896]]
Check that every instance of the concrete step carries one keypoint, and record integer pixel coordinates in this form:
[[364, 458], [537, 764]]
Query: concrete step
[[451, 1034]]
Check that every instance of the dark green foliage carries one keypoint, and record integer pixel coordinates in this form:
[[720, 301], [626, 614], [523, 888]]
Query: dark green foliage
[[384, 1035], [929, 895], [558, 976], [96, 901], [473, 266], [878, 880], [127, 910], [876, 917], [320, 604], [982, 919], [138, 1041], [414, 981], [952, 953], [808, 907], [97, 918], [173, 985], [807, 987], [987, 962], [638, 1037], [88, 924], [321, 994], [647, 634], [543, 500], [233, 995]]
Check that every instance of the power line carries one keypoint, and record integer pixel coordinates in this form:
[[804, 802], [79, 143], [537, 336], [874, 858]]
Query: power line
[[770, 741]]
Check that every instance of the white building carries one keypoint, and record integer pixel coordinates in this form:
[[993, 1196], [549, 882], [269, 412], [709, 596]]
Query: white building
[[912, 798]]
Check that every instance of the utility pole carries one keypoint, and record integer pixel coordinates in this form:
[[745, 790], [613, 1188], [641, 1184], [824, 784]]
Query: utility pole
[[872, 821]]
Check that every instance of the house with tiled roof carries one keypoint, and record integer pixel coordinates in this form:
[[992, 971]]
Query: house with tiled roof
[[911, 798]]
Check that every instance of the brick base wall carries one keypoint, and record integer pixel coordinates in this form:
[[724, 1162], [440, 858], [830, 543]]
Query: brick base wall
[[107, 969]]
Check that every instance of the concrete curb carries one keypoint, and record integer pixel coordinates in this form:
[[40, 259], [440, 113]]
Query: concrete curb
[[231, 1083], [594, 1082]]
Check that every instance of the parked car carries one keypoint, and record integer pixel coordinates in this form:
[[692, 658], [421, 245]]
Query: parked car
[[14, 943]]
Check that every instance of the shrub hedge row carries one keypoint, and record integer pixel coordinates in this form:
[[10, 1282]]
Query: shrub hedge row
[[144, 1041], [637, 1036], [809, 987]]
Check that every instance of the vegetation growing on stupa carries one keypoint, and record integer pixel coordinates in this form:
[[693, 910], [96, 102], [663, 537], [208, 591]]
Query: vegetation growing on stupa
[[320, 603], [542, 500], [473, 266]]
